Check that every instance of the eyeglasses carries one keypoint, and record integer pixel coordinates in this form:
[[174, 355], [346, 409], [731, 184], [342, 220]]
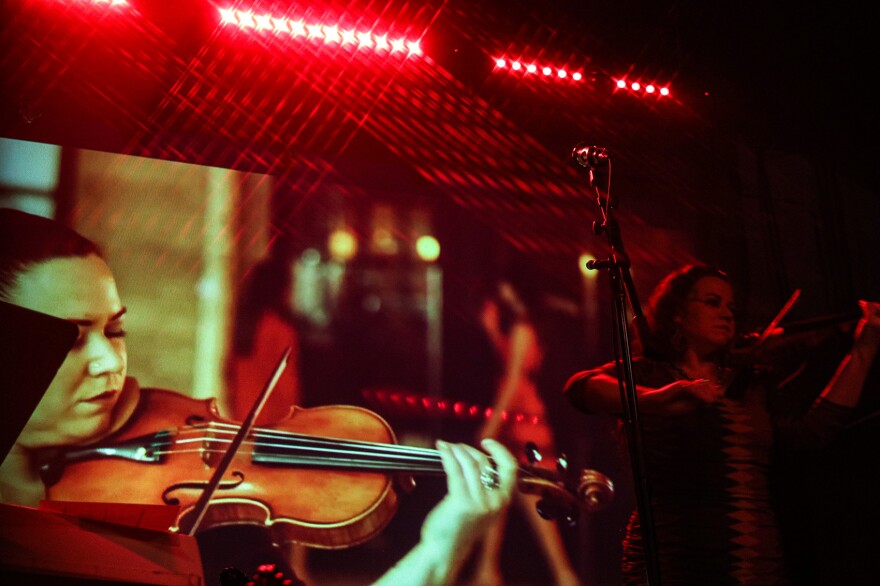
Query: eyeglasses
[[713, 302]]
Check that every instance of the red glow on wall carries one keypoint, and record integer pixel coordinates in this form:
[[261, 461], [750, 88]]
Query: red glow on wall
[[406, 403], [329, 34]]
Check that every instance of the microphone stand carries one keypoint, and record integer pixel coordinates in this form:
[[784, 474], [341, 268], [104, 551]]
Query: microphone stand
[[622, 288]]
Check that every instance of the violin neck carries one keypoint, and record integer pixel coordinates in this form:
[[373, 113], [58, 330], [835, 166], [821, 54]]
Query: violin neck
[[337, 454]]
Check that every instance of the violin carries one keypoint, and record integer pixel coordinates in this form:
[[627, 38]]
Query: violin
[[326, 477], [782, 347]]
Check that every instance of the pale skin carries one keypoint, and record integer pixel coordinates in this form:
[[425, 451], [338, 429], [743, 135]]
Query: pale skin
[[460, 519], [87, 399], [707, 326]]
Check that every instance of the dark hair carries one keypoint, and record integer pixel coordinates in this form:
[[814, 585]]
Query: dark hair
[[666, 303], [265, 289], [27, 240], [526, 285]]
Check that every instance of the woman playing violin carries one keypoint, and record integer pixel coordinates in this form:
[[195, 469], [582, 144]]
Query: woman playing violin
[[46, 267], [708, 451]]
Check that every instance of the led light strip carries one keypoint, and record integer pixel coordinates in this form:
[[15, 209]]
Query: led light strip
[[535, 69], [330, 35], [635, 86]]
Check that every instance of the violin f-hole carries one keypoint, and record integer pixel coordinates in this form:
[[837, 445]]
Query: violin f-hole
[[200, 485]]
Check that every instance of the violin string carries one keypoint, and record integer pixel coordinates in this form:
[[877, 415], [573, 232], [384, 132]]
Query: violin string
[[313, 461], [380, 454], [299, 440], [304, 438], [348, 450]]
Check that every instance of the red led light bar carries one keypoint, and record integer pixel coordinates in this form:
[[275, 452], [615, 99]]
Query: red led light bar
[[103, 3], [526, 69], [247, 20], [402, 402], [638, 88]]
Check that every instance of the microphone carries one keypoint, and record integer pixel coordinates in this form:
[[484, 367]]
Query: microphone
[[590, 156]]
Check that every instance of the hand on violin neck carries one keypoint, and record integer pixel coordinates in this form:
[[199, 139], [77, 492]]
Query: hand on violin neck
[[867, 334], [470, 501], [477, 493]]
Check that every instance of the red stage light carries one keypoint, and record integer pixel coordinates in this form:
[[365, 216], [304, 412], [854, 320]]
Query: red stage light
[[548, 71], [330, 34], [280, 25], [297, 28], [227, 16], [245, 19], [264, 22], [635, 86]]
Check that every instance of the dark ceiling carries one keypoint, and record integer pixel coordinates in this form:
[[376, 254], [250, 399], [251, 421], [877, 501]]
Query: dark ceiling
[[174, 85]]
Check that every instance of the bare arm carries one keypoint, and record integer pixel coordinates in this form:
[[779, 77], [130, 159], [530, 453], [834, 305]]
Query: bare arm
[[455, 524], [846, 386], [600, 393], [522, 339]]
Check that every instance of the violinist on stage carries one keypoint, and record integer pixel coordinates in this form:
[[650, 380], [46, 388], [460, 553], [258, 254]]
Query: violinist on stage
[[46, 267], [708, 448]]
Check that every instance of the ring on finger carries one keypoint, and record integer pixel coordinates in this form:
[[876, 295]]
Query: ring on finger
[[489, 478]]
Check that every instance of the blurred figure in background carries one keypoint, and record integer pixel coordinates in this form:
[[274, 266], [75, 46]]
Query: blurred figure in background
[[508, 319], [263, 327]]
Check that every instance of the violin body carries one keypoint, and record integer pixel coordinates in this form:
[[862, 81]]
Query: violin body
[[327, 508]]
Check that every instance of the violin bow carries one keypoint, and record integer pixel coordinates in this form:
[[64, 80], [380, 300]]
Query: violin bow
[[782, 313], [191, 524]]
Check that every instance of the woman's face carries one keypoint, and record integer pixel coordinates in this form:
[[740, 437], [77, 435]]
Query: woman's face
[[78, 404], [706, 320]]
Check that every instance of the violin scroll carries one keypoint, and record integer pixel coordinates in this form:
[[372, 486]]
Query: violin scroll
[[593, 492]]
